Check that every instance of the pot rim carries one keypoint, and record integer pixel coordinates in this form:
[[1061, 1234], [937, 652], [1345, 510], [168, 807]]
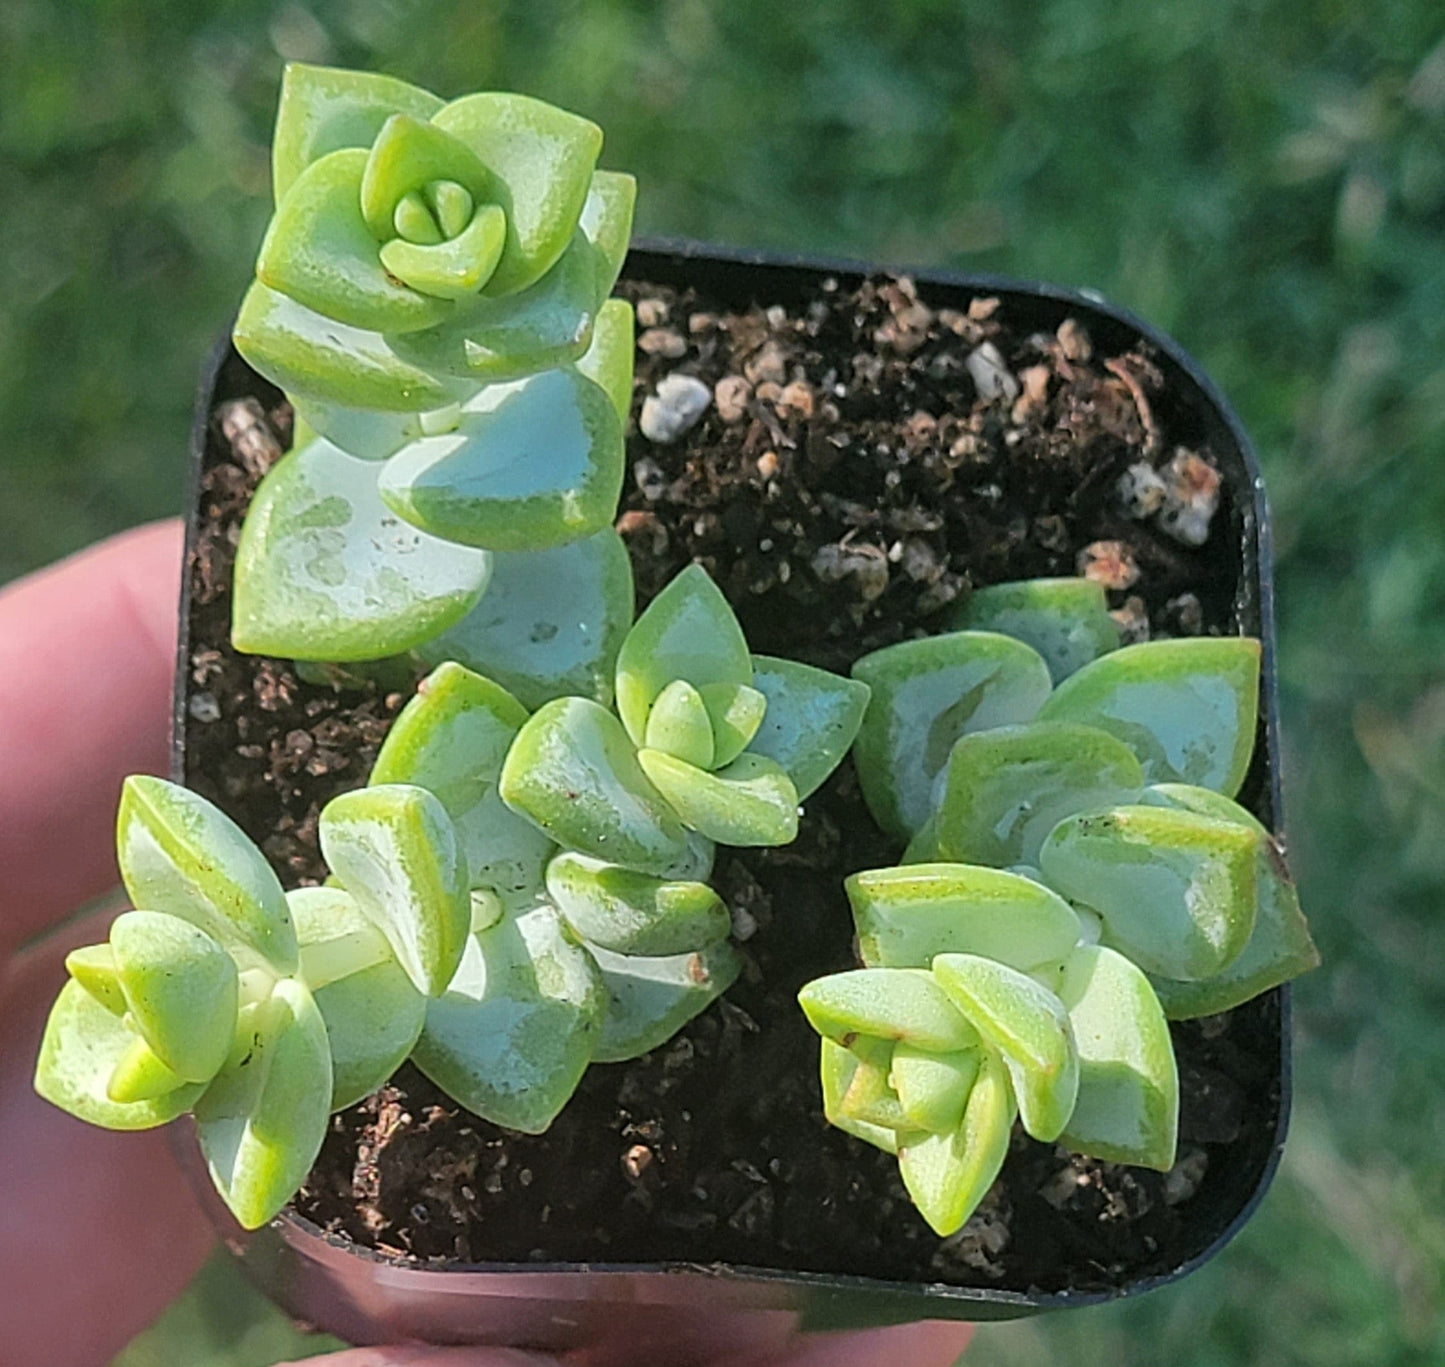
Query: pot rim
[[670, 1282]]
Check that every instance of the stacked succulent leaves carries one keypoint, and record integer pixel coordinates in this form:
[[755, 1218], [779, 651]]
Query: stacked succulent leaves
[[1077, 874], [432, 296]]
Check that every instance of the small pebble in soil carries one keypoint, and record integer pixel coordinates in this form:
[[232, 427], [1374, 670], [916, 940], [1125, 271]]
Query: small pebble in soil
[[204, 707], [1191, 497], [1141, 490], [731, 395], [1110, 563], [991, 377], [662, 342], [1183, 1179], [1132, 619], [676, 407]]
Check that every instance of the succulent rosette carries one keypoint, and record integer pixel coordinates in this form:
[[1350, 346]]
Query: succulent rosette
[[432, 296], [1077, 875]]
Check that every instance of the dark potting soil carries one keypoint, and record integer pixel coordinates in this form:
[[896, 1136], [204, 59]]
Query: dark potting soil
[[865, 462]]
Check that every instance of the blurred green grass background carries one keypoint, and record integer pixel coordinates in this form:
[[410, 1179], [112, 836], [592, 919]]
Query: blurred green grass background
[[1265, 180]]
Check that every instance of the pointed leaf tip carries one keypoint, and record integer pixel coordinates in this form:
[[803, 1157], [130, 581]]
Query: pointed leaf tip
[[182, 855], [751, 802], [1028, 1025], [689, 631], [926, 694], [395, 850], [810, 720], [573, 772], [1188, 708], [1176, 890]]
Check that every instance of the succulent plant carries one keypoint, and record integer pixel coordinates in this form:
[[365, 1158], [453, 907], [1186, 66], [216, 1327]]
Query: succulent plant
[[982, 999], [1077, 873], [432, 296], [256, 1010], [710, 743], [1115, 789]]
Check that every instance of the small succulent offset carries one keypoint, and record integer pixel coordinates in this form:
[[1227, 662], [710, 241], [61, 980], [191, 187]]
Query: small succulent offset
[[432, 296], [709, 744], [1078, 873]]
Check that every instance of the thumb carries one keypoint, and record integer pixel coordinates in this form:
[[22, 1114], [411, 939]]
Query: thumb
[[414, 1356]]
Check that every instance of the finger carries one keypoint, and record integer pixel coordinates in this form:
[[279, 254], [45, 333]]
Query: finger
[[86, 654], [98, 1231], [929, 1343], [431, 1357]]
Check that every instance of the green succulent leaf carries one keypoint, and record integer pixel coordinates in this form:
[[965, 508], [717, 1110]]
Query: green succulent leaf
[[1128, 1106], [889, 1004], [325, 108], [689, 631], [262, 1121], [542, 158], [907, 915], [923, 847], [489, 341], [83, 1044], [870, 1098], [608, 360], [407, 156], [182, 855], [373, 1013], [180, 989], [94, 968], [634, 913], [750, 802], [812, 718], [932, 1089], [573, 772], [142, 1075], [1187, 708], [948, 1174], [366, 433], [512, 1036], [531, 464], [679, 725], [452, 739], [1280, 946], [1004, 790], [396, 851], [1028, 1025], [1066, 620], [455, 269], [837, 1069], [650, 998], [325, 571], [926, 694], [319, 359], [550, 623], [319, 251], [735, 712], [1176, 890], [607, 222]]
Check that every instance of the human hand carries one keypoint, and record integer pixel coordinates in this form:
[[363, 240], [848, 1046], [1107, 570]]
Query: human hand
[[98, 1230]]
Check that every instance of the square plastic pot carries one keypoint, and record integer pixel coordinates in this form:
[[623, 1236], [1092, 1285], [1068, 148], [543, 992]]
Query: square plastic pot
[[677, 1313]]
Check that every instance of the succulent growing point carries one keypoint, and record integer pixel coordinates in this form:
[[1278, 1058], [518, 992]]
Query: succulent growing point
[[432, 296], [1077, 873]]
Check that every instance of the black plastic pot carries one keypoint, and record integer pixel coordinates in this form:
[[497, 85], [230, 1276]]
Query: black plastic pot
[[669, 1312]]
